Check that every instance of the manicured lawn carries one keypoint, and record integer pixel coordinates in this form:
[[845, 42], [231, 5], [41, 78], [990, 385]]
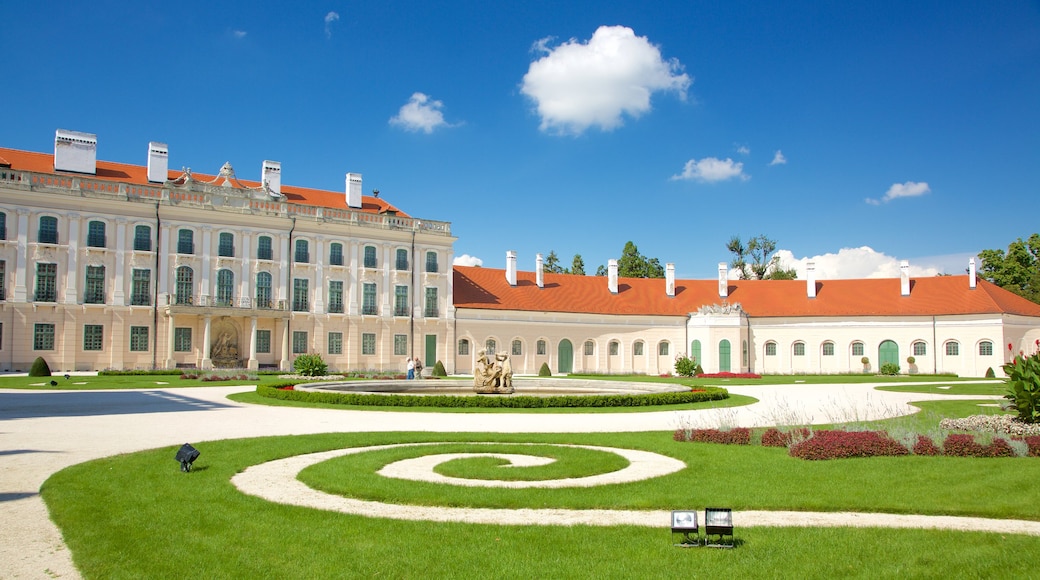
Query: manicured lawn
[[137, 516], [946, 388], [789, 379]]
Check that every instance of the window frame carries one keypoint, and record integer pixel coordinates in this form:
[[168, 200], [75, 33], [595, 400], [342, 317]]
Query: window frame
[[300, 341], [43, 336], [335, 342], [770, 349], [93, 337], [142, 238], [368, 344], [140, 338], [336, 254], [264, 248], [184, 285], [94, 285], [301, 295], [517, 348], [400, 345], [226, 245], [46, 282], [302, 252], [798, 348], [182, 339], [263, 341], [370, 259], [335, 305], [430, 303], [264, 282], [368, 299], [953, 348], [96, 237], [186, 241], [431, 262], [47, 230], [401, 259], [663, 348], [986, 345], [225, 287]]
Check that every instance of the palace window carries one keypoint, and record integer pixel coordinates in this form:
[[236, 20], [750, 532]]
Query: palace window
[[590, 348], [431, 310], [518, 347], [953, 348], [614, 347], [3, 280], [400, 301], [43, 336], [370, 257], [139, 338], [662, 348], [141, 287], [182, 339], [920, 349], [3, 226], [540, 347], [770, 349], [335, 343], [368, 343], [828, 349], [799, 349], [263, 248], [463, 346], [368, 298], [143, 238], [303, 252], [185, 286], [94, 290], [402, 259], [263, 341], [93, 336], [400, 344], [226, 245], [299, 341], [96, 234], [336, 296], [185, 242], [985, 348], [489, 346], [336, 254], [431, 262], [48, 232], [225, 287], [637, 348], [857, 349], [301, 300], [263, 290], [46, 282]]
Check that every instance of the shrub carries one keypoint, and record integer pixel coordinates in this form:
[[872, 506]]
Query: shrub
[[925, 446], [865, 360], [40, 368], [1033, 441], [544, 370], [990, 374], [684, 365], [438, 370], [961, 445], [310, 365], [736, 436], [843, 444], [910, 360], [774, 437], [1023, 387], [890, 369]]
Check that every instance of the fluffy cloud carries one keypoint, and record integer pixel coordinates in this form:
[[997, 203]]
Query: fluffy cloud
[[578, 85], [862, 262], [744, 150], [908, 189], [420, 114], [467, 260], [238, 34], [710, 170], [778, 158], [329, 19]]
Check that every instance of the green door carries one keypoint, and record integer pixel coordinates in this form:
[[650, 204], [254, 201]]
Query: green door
[[565, 352], [724, 356], [695, 351], [431, 351], [888, 352]]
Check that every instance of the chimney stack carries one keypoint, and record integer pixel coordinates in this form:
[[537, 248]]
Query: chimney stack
[[723, 280], [354, 190], [511, 267], [669, 280], [971, 274], [271, 176], [810, 279], [75, 151], [904, 278], [539, 269], [612, 275], [158, 162]]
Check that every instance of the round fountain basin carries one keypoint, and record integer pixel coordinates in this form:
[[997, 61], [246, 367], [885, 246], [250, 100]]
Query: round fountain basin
[[525, 386]]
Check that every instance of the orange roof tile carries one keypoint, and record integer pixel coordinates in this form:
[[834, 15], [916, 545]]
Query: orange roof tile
[[487, 288], [138, 175]]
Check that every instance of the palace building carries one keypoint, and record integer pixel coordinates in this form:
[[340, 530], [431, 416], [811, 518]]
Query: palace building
[[109, 265]]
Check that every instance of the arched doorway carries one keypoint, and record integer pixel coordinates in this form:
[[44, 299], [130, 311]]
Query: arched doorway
[[565, 362], [888, 352], [724, 351]]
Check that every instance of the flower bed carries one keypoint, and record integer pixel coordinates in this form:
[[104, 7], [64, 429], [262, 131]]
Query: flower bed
[[738, 436], [844, 444], [774, 437], [728, 376]]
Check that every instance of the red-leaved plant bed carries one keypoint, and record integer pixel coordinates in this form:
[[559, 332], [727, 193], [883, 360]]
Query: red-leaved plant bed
[[844, 444], [964, 445], [1033, 441], [289, 388], [729, 376], [925, 446], [737, 436], [774, 437]]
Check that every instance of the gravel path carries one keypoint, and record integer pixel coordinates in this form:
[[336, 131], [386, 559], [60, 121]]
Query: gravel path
[[42, 432]]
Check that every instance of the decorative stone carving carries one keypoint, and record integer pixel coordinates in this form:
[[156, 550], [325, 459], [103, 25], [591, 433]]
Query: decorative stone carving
[[224, 348], [493, 375], [721, 309]]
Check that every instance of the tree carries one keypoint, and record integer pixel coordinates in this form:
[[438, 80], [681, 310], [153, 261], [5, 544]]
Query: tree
[[764, 264], [578, 266], [552, 263], [632, 264], [1017, 270]]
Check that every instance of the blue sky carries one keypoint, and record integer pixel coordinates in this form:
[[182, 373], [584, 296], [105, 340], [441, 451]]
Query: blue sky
[[856, 135]]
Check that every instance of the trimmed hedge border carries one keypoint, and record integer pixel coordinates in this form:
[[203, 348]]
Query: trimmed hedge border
[[493, 401]]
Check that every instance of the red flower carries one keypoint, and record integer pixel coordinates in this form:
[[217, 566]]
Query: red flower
[[1009, 347]]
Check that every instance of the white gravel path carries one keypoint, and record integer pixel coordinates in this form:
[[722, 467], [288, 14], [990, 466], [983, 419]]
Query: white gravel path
[[33, 445]]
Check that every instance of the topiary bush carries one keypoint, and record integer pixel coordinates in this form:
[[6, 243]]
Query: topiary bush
[[438, 370], [1023, 387], [990, 374], [544, 370], [310, 365], [890, 369], [40, 368]]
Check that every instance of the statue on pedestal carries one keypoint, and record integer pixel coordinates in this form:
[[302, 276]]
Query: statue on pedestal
[[492, 374]]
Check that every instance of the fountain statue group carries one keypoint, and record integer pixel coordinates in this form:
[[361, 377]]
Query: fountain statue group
[[492, 374]]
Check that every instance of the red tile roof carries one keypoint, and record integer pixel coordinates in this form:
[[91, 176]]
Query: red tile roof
[[138, 175], [486, 288]]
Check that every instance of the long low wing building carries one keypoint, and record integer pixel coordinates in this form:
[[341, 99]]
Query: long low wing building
[[112, 265]]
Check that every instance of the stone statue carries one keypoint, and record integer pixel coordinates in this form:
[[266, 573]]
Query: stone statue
[[492, 375]]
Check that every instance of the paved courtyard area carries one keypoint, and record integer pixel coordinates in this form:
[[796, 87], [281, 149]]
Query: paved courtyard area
[[42, 432]]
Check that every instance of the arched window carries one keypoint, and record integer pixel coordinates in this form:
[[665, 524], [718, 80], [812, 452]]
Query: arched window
[[48, 232], [857, 349], [662, 348], [489, 346], [695, 351], [96, 234], [770, 348], [225, 287], [402, 259], [799, 349], [985, 348], [953, 348], [263, 248], [828, 348], [464, 346], [226, 245], [518, 347], [263, 290], [143, 238], [303, 252], [590, 348], [336, 254], [920, 349], [540, 346], [637, 348], [185, 285], [614, 347]]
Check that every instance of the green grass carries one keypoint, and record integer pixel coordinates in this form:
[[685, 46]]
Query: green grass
[[785, 379], [944, 388], [137, 516]]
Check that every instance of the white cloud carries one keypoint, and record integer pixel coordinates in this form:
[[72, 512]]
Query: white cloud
[[467, 260], [711, 170], [778, 158], [744, 150], [578, 85], [862, 262], [329, 19], [420, 114], [908, 189], [237, 34]]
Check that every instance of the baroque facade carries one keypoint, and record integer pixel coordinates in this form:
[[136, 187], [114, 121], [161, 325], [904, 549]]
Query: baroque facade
[[109, 265]]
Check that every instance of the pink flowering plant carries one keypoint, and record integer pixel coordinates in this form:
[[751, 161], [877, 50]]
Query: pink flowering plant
[[1023, 387]]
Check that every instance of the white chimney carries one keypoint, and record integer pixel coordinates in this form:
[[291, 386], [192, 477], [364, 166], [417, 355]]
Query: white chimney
[[75, 151], [511, 267], [723, 280], [971, 274], [354, 190], [271, 175], [158, 162], [810, 279], [612, 275], [539, 270], [904, 278], [669, 279]]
